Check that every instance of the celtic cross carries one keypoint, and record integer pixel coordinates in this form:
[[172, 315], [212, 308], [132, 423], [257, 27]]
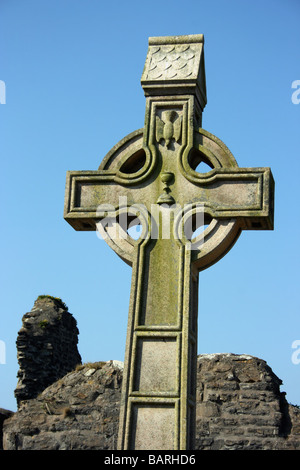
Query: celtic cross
[[151, 177]]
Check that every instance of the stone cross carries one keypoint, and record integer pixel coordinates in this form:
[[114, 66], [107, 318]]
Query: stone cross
[[153, 178]]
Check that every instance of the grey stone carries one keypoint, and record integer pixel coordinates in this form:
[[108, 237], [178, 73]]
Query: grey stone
[[81, 412], [154, 169], [46, 347]]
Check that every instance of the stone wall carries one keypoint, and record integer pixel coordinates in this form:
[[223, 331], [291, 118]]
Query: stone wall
[[4, 414], [65, 406], [78, 412], [46, 347], [239, 407]]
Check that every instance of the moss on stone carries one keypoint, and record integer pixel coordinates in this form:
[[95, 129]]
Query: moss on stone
[[55, 299], [43, 323], [90, 365]]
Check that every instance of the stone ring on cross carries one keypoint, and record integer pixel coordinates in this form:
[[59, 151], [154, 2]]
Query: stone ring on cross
[[128, 162]]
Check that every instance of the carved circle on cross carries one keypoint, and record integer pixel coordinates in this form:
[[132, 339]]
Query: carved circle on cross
[[132, 163]]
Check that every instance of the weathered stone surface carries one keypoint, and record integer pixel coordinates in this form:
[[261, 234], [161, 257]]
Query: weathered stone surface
[[4, 414], [46, 346], [239, 407], [151, 176], [79, 411]]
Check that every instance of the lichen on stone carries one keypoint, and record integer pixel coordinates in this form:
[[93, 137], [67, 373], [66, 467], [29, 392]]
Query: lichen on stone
[[55, 299]]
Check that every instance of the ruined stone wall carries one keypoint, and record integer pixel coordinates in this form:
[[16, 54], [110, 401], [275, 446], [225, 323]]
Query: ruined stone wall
[[4, 414], [46, 347], [239, 403], [239, 407]]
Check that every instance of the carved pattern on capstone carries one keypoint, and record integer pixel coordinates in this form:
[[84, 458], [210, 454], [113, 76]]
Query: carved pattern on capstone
[[169, 62]]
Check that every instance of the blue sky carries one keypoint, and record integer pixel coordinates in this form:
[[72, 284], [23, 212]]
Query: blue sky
[[72, 72]]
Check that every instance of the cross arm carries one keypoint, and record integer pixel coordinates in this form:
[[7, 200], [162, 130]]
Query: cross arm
[[89, 192], [245, 194], [80, 198], [85, 191]]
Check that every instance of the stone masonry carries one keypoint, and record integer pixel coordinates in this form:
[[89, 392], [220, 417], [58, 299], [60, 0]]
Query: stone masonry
[[239, 407], [66, 405], [4, 414], [46, 347]]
